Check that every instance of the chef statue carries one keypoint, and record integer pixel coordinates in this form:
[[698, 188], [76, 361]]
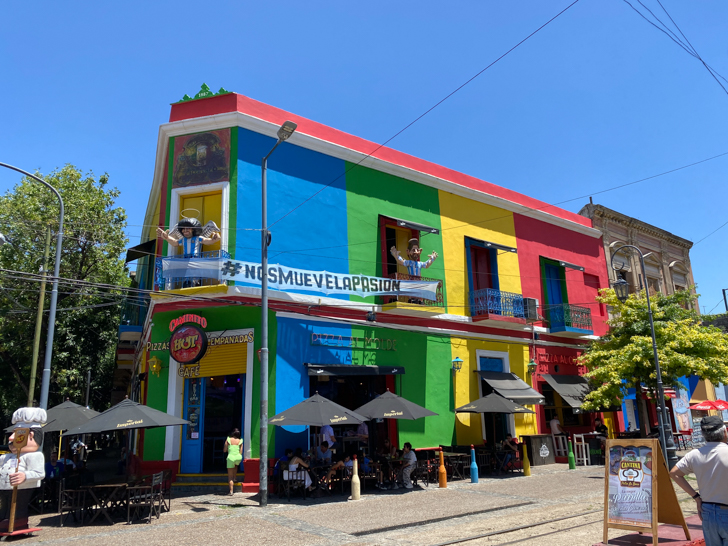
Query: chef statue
[[23, 468]]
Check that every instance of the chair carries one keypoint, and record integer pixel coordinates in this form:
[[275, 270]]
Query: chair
[[421, 472], [140, 497], [292, 480], [71, 501], [561, 445], [581, 450], [167, 490]]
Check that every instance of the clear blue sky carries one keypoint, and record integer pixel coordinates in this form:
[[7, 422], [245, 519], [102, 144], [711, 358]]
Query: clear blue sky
[[596, 99]]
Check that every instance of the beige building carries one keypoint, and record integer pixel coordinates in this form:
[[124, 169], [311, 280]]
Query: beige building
[[667, 256]]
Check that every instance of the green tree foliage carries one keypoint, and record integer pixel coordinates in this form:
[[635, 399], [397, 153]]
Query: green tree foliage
[[624, 357], [87, 317]]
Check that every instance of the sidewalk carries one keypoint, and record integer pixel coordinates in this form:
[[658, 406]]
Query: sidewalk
[[504, 507]]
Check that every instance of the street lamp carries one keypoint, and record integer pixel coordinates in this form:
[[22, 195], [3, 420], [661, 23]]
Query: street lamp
[[621, 289], [46, 379], [284, 133]]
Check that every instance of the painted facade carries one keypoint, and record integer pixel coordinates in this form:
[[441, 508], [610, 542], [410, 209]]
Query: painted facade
[[338, 203]]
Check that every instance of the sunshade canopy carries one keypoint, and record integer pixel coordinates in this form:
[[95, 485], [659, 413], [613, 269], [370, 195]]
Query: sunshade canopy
[[346, 369], [127, 415], [391, 406], [139, 251], [709, 405], [64, 416], [571, 388], [317, 411], [511, 386], [493, 403]]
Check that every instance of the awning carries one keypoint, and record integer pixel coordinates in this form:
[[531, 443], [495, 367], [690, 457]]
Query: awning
[[512, 387], [415, 226], [571, 388], [139, 251], [352, 370]]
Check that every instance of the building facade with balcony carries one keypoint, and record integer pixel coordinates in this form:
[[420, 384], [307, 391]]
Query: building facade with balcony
[[514, 282]]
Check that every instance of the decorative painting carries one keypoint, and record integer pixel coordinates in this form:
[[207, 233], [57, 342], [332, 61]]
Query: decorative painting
[[200, 159]]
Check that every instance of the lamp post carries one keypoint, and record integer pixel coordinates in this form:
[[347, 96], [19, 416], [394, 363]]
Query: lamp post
[[621, 289], [46, 378], [284, 133]]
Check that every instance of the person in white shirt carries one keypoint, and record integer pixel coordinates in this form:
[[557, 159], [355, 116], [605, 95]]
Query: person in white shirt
[[555, 426], [410, 463], [327, 435], [710, 466]]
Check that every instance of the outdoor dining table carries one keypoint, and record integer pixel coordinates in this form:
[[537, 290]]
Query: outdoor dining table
[[457, 462], [107, 498]]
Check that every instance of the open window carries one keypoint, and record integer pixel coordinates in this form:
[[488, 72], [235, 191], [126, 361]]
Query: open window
[[563, 317]]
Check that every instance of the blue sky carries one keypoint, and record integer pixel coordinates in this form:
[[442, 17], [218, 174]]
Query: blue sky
[[596, 99]]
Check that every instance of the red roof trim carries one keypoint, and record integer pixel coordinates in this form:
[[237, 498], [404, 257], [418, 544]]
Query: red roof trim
[[233, 102]]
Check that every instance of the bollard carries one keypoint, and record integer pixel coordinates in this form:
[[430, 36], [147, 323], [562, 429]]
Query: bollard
[[572, 460], [473, 466], [526, 463], [442, 473], [355, 483]]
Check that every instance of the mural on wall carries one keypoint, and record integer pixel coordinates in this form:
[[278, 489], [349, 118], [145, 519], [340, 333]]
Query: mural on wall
[[201, 159]]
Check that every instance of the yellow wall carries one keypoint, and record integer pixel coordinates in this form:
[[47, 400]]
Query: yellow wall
[[468, 425], [466, 218]]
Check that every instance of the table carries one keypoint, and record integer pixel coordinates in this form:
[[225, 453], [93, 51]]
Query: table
[[107, 497], [540, 449], [457, 462]]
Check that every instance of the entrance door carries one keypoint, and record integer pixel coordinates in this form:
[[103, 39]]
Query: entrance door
[[223, 413], [193, 433], [480, 260], [496, 424], [204, 207], [555, 295]]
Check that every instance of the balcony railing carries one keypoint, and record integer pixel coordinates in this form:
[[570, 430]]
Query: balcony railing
[[165, 282], [490, 301], [134, 311], [439, 302], [566, 316]]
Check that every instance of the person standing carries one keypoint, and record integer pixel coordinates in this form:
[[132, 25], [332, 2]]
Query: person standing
[[234, 449], [710, 466], [327, 435]]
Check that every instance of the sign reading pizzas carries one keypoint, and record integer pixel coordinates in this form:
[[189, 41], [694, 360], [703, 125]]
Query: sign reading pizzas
[[188, 343]]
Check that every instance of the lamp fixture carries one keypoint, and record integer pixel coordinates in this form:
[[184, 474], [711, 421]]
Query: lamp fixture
[[532, 366], [286, 130], [457, 364], [621, 289]]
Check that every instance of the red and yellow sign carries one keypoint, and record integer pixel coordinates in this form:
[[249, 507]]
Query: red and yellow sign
[[188, 343]]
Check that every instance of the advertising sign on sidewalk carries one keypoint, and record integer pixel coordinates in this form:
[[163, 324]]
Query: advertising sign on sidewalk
[[634, 473]]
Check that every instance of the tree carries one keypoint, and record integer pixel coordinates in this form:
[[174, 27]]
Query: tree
[[88, 316], [624, 357]]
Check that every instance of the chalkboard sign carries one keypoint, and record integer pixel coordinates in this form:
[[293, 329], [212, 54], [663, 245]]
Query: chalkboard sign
[[698, 439], [635, 479]]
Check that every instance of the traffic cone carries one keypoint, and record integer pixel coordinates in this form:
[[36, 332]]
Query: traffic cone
[[473, 466], [355, 483], [442, 473], [526, 463], [572, 460]]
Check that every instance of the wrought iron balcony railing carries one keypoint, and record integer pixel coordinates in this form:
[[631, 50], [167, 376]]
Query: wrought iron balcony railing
[[490, 301], [439, 302], [565, 316], [167, 282]]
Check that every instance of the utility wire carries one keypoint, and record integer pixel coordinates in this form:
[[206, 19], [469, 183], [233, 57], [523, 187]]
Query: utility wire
[[421, 115]]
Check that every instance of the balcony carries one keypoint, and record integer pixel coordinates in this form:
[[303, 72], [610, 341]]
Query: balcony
[[569, 320], [181, 277], [411, 305], [490, 303]]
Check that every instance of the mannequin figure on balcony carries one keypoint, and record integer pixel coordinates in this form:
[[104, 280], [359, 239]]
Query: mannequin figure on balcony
[[414, 265], [190, 234]]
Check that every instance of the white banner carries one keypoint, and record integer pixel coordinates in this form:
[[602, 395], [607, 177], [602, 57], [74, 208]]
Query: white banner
[[281, 277]]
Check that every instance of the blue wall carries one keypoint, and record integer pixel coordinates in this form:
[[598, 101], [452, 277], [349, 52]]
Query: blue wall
[[294, 175]]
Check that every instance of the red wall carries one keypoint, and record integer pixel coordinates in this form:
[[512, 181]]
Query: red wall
[[538, 239]]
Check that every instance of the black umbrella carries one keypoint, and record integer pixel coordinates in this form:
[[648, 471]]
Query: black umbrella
[[493, 403], [317, 411], [127, 415], [64, 416], [391, 406]]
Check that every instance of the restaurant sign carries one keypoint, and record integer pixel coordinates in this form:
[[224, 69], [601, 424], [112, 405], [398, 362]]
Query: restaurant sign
[[351, 342], [188, 343]]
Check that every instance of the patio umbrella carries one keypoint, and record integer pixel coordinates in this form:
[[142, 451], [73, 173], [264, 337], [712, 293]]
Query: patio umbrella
[[68, 415], [709, 405], [493, 403], [391, 406], [127, 415], [317, 411]]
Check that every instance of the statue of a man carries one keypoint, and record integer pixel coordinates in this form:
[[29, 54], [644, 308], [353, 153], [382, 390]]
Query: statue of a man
[[413, 265], [30, 465]]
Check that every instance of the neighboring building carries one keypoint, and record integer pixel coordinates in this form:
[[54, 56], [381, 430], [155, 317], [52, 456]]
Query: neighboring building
[[516, 281], [667, 269]]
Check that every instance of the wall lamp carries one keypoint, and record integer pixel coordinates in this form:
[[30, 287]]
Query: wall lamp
[[457, 364]]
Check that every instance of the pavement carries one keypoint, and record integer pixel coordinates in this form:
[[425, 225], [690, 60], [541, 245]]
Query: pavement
[[566, 504]]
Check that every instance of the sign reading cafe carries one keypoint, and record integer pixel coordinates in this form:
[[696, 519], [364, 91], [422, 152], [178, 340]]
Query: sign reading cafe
[[281, 277]]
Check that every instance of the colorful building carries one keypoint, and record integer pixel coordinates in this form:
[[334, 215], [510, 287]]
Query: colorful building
[[514, 284]]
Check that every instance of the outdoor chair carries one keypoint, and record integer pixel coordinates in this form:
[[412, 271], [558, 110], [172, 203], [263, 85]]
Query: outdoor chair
[[371, 474], [292, 480], [581, 450], [421, 473], [142, 497], [71, 502], [167, 490]]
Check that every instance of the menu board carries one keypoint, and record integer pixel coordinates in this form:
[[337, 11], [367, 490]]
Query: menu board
[[698, 439], [630, 486]]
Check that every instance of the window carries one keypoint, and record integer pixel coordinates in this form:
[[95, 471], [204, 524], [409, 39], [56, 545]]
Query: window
[[591, 282], [556, 407], [495, 426], [482, 265], [653, 285], [397, 236]]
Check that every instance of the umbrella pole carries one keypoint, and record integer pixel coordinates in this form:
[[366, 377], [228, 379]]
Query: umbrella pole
[[60, 442]]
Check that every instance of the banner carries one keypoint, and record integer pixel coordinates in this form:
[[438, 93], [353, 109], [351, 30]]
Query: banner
[[284, 278]]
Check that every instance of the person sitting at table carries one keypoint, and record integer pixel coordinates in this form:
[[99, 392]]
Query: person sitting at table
[[364, 461], [601, 429], [67, 463], [327, 435], [343, 462], [363, 431], [409, 463], [53, 468], [510, 448], [283, 461], [323, 453], [556, 429], [293, 466]]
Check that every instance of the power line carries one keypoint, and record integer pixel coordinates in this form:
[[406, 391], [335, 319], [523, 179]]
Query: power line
[[421, 115]]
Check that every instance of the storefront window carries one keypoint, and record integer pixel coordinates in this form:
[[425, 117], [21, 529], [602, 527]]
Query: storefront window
[[555, 407]]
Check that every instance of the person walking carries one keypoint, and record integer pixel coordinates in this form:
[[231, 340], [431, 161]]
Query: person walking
[[710, 466], [234, 449]]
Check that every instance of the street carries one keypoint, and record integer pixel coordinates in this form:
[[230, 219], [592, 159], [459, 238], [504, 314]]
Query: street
[[430, 516]]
